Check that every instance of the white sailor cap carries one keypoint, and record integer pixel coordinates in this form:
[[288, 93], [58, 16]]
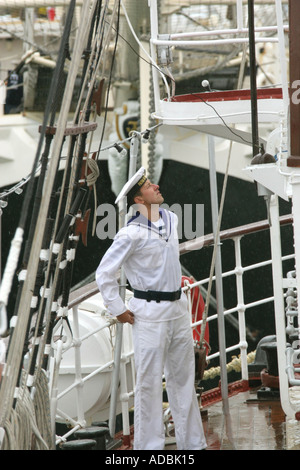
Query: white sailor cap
[[133, 185]]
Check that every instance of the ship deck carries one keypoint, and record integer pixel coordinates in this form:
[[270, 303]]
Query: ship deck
[[250, 424]]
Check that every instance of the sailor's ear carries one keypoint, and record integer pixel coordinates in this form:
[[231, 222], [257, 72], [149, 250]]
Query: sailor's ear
[[139, 200]]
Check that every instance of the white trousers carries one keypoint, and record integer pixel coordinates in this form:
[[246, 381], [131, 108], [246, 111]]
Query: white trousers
[[167, 347]]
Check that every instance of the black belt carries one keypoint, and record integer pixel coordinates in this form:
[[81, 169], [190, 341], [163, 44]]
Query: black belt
[[156, 295]]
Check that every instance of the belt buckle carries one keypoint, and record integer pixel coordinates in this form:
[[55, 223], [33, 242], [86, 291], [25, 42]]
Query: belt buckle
[[155, 296], [152, 295]]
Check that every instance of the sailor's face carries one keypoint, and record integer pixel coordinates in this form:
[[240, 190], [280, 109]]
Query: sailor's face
[[151, 194]]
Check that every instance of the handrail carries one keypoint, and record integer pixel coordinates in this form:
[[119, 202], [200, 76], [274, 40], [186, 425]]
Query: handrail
[[208, 240], [83, 293], [90, 289]]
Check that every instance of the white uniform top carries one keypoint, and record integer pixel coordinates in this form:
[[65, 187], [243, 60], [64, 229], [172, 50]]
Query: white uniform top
[[150, 261]]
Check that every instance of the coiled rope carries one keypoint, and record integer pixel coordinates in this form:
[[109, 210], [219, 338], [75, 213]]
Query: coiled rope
[[234, 365], [91, 180]]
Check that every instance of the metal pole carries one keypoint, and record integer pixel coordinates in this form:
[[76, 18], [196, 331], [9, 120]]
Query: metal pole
[[282, 56], [78, 369], [255, 137], [1, 212], [279, 306], [119, 329], [3, 315], [218, 272]]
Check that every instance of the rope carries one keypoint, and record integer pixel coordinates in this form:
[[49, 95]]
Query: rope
[[15, 351], [91, 179], [103, 43], [234, 365], [22, 431], [27, 423], [42, 407]]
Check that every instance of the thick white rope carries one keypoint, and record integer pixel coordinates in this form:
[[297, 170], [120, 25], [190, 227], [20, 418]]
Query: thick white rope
[[91, 180], [8, 275], [29, 427]]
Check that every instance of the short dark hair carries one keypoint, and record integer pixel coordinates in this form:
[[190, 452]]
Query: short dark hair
[[131, 195]]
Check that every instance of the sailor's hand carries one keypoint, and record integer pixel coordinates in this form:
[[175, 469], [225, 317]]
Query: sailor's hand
[[126, 317]]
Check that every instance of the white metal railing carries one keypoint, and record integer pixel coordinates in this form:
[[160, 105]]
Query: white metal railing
[[127, 358], [80, 380], [202, 39], [241, 307]]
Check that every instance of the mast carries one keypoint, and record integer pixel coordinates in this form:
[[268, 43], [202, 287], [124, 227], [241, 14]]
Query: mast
[[254, 119]]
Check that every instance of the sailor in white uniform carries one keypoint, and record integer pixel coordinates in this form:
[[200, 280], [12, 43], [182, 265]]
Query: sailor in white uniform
[[147, 248]]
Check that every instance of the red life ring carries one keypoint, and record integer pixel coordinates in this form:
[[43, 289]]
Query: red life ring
[[198, 306]]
